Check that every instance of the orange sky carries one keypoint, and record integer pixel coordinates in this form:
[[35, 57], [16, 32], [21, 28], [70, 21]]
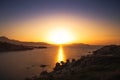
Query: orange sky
[[80, 29]]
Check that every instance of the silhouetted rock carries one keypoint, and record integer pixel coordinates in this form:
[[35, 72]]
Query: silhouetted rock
[[103, 64], [44, 73], [108, 50], [57, 66]]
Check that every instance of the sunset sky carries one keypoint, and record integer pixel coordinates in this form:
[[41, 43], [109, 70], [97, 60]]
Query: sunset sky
[[57, 21]]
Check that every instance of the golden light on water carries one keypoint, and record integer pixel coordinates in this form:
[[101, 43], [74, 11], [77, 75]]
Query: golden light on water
[[60, 56]]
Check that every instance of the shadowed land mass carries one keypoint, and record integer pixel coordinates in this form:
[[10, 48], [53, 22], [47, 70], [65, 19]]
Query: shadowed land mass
[[7, 45], [103, 64]]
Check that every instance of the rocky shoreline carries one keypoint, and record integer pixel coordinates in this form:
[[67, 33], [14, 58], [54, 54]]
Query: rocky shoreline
[[102, 64]]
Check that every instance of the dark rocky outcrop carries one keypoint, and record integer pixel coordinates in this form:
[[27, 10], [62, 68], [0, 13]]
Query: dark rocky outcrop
[[103, 64]]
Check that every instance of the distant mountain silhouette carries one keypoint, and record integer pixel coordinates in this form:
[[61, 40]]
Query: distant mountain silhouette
[[17, 42], [5, 47], [82, 45]]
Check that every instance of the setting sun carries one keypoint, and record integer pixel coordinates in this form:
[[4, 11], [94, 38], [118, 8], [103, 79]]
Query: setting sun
[[60, 37]]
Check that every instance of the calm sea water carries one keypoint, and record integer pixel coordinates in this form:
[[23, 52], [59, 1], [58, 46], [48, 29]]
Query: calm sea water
[[21, 64]]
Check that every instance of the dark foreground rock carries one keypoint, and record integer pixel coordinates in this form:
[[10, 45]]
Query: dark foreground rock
[[103, 64]]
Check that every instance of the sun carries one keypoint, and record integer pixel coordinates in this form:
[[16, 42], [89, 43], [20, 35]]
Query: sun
[[60, 37]]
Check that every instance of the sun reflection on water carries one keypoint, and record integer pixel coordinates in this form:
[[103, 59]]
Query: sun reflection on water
[[60, 55]]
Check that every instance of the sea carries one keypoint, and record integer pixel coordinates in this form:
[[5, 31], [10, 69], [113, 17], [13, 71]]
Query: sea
[[19, 65]]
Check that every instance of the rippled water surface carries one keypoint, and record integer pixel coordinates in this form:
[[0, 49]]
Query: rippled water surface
[[21, 64]]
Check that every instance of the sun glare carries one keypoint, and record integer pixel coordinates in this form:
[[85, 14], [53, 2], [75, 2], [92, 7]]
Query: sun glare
[[60, 37]]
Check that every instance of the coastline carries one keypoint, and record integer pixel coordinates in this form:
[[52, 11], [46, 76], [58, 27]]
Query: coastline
[[102, 64]]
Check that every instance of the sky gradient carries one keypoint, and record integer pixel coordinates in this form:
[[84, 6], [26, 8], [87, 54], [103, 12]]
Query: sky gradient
[[85, 21]]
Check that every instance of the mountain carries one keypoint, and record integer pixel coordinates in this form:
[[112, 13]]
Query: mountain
[[5, 39], [74, 45], [83, 46], [5, 47]]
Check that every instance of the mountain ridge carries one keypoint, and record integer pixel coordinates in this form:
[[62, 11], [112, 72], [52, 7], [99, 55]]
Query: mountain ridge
[[5, 39]]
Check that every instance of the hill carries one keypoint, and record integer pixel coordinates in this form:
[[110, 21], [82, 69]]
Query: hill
[[102, 64], [5, 47], [5, 39]]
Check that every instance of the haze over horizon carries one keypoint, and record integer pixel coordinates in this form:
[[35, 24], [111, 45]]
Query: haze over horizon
[[61, 21]]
